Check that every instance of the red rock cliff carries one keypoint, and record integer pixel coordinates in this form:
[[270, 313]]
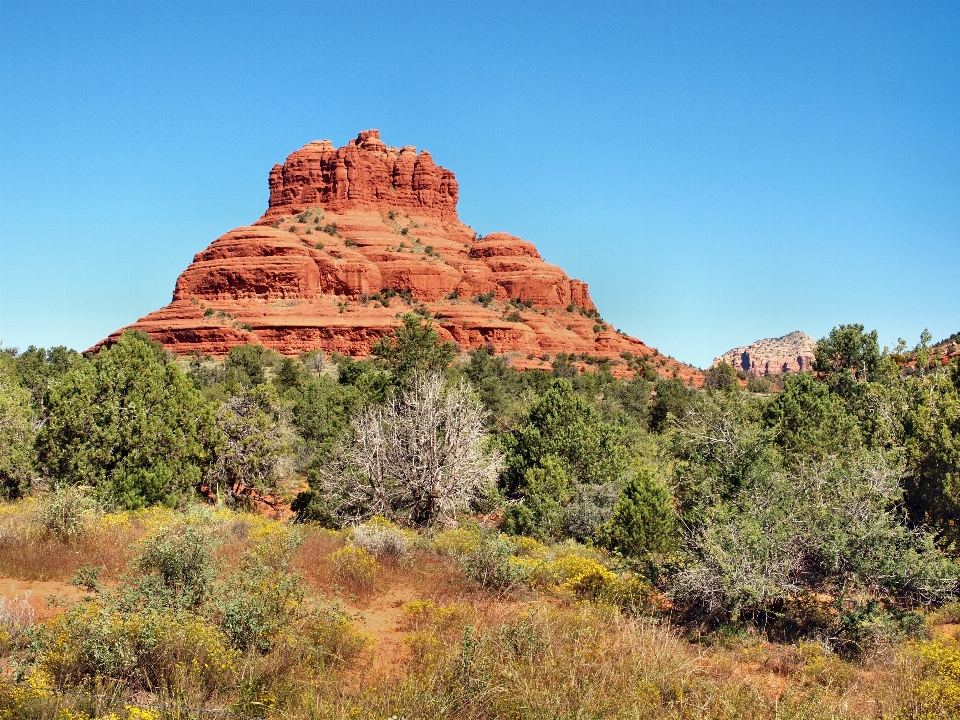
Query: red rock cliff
[[364, 174], [348, 234]]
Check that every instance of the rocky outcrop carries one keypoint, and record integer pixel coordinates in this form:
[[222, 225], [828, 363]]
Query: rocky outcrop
[[354, 238], [772, 356], [365, 173], [946, 350]]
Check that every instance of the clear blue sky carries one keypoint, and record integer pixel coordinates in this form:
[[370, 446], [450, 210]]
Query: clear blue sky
[[718, 172]]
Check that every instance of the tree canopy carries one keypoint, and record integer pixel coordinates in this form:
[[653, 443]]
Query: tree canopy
[[129, 423], [414, 346]]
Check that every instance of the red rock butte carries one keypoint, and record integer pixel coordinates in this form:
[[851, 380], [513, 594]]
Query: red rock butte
[[356, 237]]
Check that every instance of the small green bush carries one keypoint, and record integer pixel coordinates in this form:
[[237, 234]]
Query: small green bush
[[256, 604], [88, 578], [332, 637], [147, 649], [175, 569], [491, 563], [67, 513]]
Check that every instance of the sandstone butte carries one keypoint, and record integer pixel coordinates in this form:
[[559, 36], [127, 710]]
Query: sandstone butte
[[772, 356], [355, 237]]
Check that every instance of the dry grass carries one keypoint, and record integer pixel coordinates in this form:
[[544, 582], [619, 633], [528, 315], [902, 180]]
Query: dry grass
[[28, 554], [444, 647]]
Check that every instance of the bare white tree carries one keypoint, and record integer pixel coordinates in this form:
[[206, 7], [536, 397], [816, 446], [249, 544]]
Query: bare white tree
[[421, 457]]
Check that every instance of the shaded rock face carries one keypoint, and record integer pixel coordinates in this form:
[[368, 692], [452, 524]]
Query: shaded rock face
[[354, 238], [773, 356]]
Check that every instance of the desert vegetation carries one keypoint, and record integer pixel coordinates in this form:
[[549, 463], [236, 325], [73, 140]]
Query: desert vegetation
[[430, 533]]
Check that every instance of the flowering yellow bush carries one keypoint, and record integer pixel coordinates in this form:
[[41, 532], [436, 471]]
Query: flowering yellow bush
[[356, 567], [419, 614], [146, 648], [130, 712], [274, 543], [15, 700], [527, 547], [332, 637], [937, 689], [584, 577], [456, 542], [820, 667], [156, 518], [379, 522], [587, 579], [433, 629]]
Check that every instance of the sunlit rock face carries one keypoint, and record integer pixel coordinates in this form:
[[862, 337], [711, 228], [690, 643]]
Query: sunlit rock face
[[772, 356]]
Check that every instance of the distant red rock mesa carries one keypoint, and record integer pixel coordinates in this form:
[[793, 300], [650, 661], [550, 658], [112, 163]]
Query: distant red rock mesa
[[773, 356], [355, 237]]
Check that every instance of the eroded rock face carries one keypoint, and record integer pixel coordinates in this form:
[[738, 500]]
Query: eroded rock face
[[365, 173], [352, 231], [772, 356]]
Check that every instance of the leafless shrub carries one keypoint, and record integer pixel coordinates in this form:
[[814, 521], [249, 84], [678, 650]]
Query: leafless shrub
[[422, 457], [16, 616], [382, 539]]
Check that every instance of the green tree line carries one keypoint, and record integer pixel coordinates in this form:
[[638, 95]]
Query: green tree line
[[744, 501]]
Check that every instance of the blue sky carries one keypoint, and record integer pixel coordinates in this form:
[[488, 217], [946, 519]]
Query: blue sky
[[718, 172]]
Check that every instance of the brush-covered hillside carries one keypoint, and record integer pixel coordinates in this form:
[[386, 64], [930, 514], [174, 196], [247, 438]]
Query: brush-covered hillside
[[434, 534]]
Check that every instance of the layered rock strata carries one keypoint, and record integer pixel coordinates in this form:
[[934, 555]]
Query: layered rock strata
[[355, 237], [773, 356]]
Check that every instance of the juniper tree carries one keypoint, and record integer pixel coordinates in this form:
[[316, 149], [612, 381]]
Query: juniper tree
[[643, 520], [129, 423]]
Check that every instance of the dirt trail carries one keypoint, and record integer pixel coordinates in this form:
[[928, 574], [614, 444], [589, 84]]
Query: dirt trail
[[381, 619], [37, 593]]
